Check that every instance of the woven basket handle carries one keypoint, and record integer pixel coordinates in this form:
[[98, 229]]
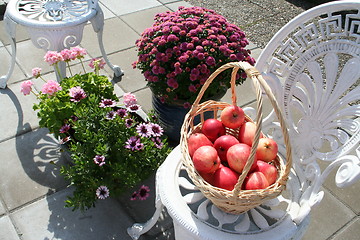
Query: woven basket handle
[[258, 82]]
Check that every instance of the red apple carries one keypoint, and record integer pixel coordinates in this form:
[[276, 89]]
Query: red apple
[[223, 143], [247, 133], [256, 180], [267, 149], [269, 171], [197, 140], [237, 156], [209, 177], [206, 159], [225, 178], [232, 116], [213, 128]]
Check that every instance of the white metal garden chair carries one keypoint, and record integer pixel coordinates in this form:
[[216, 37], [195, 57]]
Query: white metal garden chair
[[313, 67], [54, 25]]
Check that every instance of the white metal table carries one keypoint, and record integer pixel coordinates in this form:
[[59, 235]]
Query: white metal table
[[54, 25]]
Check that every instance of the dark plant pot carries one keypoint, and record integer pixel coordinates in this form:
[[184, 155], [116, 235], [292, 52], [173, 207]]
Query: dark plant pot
[[171, 117]]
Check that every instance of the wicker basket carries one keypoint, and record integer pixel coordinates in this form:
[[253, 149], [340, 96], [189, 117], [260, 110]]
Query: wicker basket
[[236, 201]]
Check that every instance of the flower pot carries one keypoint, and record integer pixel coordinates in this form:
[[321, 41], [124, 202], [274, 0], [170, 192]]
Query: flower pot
[[171, 117]]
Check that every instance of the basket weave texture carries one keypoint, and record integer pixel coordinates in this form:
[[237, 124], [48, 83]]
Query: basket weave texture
[[236, 201]]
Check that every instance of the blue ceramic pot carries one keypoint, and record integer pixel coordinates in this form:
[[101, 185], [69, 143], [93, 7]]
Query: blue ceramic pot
[[171, 118]]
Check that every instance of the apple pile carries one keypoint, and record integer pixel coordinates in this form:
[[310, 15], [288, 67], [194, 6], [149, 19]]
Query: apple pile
[[220, 157]]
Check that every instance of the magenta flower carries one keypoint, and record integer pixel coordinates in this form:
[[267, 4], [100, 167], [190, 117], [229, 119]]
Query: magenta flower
[[198, 41], [76, 94], [51, 87], [64, 128], [143, 193], [110, 115], [26, 87], [53, 57], [144, 130], [134, 108], [134, 196], [102, 192], [107, 103], [134, 144], [99, 160], [129, 122], [36, 72], [156, 130], [157, 142], [129, 99], [121, 112]]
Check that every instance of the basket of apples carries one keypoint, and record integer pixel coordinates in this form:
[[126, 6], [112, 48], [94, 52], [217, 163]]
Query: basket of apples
[[227, 157]]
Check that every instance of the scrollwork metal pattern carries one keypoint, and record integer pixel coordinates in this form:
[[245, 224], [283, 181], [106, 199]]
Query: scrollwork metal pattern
[[53, 10]]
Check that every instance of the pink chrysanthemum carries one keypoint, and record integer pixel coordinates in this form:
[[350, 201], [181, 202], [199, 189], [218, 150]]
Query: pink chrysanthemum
[[102, 192], [51, 87], [26, 87]]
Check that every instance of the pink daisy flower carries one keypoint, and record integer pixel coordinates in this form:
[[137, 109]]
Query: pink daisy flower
[[102, 192]]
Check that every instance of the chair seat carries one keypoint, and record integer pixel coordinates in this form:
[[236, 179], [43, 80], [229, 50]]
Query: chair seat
[[51, 13], [195, 217]]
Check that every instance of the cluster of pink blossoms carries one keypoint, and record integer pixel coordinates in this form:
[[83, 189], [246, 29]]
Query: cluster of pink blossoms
[[180, 51], [66, 55]]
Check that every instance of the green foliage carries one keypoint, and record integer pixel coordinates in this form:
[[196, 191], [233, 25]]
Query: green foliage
[[92, 132]]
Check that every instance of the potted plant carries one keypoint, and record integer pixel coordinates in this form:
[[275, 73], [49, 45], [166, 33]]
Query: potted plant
[[180, 51], [112, 147]]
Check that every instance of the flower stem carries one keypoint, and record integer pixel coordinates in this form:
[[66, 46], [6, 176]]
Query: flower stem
[[68, 64]]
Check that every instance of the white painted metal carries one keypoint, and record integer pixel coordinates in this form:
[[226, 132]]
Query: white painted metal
[[313, 67], [53, 25]]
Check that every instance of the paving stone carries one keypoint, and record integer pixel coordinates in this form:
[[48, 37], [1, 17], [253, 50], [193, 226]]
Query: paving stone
[[19, 117], [26, 172], [133, 79], [8, 231], [327, 217], [117, 36], [349, 232], [2, 208], [48, 219], [121, 7], [21, 34], [17, 74], [147, 17], [175, 5]]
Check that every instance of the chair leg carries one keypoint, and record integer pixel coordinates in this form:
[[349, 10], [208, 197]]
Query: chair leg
[[98, 26], [10, 28], [136, 230]]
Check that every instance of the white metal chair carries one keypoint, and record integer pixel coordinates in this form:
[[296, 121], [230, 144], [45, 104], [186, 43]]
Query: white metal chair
[[313, 67], [54, 25]]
